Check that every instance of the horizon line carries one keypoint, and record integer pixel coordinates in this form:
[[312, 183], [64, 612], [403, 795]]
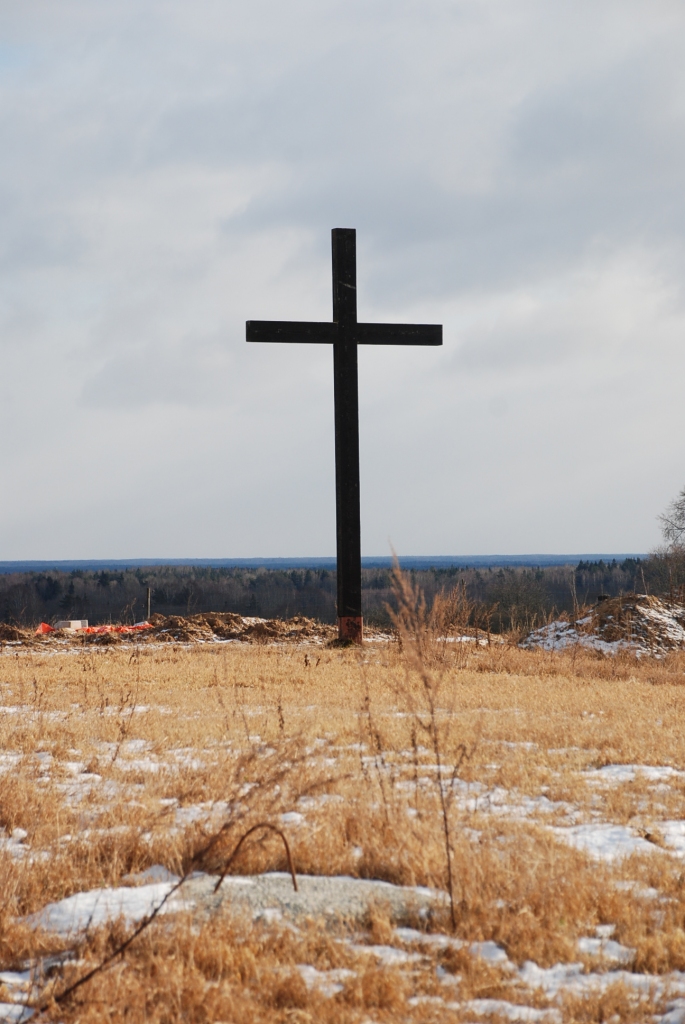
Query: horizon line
[[314, 561]]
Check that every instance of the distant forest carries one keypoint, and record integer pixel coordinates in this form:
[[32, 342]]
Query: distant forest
[[500, 598]]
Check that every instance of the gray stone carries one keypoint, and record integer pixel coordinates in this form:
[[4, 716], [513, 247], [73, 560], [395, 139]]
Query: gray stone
[[271, 897]]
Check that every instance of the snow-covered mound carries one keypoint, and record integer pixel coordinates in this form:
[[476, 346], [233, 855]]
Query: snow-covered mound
[[634, 622]]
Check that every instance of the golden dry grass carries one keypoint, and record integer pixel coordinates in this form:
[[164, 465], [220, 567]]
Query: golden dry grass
[[117, 759]]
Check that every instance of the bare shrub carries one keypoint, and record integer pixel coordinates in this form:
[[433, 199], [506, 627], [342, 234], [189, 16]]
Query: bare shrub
[[424, 693]]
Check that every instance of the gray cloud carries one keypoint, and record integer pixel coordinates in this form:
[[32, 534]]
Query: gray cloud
[[171, 170]]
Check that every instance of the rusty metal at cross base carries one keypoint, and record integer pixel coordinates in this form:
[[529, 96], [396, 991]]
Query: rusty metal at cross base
[[345, 334]]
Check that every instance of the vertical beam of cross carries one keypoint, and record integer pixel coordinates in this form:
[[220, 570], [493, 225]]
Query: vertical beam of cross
[[345, 334], [346, 399]]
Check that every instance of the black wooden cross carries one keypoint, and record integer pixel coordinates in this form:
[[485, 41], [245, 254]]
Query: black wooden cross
[[344, 333]]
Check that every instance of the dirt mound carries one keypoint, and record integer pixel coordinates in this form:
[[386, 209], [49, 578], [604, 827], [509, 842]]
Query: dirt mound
[[11, 634], [206, 627], [637, 622], [178, 628], [209, 626]]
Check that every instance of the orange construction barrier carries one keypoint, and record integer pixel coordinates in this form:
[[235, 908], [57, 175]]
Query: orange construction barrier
[[47, 628]]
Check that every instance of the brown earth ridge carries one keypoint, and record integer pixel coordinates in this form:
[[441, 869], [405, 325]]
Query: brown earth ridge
[[637, 623], [206, 627]]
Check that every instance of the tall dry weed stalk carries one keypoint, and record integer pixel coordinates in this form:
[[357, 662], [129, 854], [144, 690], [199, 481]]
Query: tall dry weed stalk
[[424, 693]]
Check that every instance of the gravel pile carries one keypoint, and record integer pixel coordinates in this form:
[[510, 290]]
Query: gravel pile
[[271, 897]]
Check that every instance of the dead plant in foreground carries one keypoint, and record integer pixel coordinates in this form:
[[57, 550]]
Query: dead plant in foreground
[[422, 692], [263, 782], [59, 998]]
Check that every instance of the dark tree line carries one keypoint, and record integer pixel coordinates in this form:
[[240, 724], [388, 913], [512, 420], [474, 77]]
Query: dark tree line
[[495, 598]]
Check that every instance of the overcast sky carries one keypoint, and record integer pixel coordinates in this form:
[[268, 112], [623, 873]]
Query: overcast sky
[[515, 170]]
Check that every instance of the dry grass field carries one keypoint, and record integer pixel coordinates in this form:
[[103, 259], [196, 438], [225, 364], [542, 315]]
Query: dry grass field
[[543, 791]]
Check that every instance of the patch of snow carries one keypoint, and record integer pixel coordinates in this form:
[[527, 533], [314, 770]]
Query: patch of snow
[[482, 641], [606, 949], [389, 956], [14, 1014], [643, 892], [134, 746], [513, 744], [505, 802], [156, 873], [648, 625], [14, 843], [674, 836], [490, 952], [446, 977], [512, 1011], [570, 978], [549, 979], [20, 985], [188, 758], [140, 764], [16, 979], [434, 940], [328, 983], [292, 818], [612, 842], [207, 812], [190, 814], [312, 802], [84, 910], [559, 635], [269, 915], [427, 1000], [9, 761], [604, 841], [675, 1013], [613, 773]]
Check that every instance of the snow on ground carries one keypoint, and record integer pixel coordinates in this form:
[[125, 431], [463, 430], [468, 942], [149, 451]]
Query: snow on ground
[[271, 894], [12, 1014], [512, 1011], [611, 773], [14, 843], [328, 983], [408, 949], [602, 960], [605, 949], [605, 841], [673, 833], [599, 838], [86, 910], [557, 636], [612, 842]]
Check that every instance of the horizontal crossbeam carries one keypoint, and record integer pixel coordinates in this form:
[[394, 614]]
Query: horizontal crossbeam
[[310, 332]]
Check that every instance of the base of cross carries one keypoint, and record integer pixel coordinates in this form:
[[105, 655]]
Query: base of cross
[[350, 627]]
